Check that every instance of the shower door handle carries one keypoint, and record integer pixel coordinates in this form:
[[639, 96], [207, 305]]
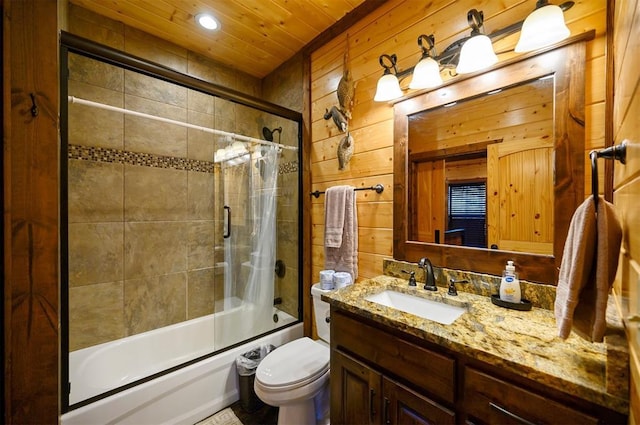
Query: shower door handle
[[227, 232]]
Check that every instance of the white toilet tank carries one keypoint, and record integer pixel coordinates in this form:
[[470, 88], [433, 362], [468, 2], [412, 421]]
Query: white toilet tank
[[321, 312]]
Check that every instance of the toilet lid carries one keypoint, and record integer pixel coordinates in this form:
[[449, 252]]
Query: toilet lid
[[294, 363]]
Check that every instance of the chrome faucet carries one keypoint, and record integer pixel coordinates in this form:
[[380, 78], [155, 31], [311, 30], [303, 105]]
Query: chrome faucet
[[429, 278]]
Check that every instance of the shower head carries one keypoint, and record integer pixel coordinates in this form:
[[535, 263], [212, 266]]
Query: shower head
[[268, 134]]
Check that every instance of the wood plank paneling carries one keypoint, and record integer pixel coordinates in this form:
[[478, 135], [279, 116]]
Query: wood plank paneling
[[255, 36], [30, 175], [393, 28], [595, 81], [370, 214], [366, 164], [371, 240], [366, 139], [626, 126]]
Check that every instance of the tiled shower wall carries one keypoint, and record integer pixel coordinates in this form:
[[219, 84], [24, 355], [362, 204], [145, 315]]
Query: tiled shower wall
[[145, 210]]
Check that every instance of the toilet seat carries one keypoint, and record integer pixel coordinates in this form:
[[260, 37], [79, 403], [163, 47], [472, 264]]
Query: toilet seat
[[303, 359]]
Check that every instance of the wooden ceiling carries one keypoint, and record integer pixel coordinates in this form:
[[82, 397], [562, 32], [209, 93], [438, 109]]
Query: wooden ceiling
[[255, 36]]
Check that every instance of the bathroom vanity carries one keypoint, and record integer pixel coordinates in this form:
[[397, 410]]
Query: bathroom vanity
[[491, 365]]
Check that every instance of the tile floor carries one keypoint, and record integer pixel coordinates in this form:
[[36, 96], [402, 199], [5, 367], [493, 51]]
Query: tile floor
[[265, 415]]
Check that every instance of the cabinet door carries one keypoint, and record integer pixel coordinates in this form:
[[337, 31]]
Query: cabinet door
[[355, 391], [404, 406]]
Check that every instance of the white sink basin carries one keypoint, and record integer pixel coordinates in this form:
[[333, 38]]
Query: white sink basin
[[439, 312]]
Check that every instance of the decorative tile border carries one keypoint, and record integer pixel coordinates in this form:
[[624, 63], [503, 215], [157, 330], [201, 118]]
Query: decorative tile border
[[288, 167], [99, 154], [94, 153]]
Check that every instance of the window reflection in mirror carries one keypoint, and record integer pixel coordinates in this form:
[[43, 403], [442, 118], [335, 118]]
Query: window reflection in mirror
[[481, 170]]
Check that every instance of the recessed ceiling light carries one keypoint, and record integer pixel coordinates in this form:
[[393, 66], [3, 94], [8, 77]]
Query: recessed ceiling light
[[207, 21]]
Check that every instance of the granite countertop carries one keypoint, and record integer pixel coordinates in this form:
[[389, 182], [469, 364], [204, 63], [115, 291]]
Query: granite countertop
[[522, 342]]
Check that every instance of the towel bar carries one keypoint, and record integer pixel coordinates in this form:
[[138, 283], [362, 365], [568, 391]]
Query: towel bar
[[617, 152], [378, 188]]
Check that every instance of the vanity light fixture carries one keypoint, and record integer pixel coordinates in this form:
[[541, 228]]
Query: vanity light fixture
[[543, 27], [474, 52], [207, 21], [477, 52], [426, 74], [388, 85]]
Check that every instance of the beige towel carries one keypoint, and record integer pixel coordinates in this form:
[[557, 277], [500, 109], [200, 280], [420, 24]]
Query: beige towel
[[334, 208], [588, 267], [344, 257]]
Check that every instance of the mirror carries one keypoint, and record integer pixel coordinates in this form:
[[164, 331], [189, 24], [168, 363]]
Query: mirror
[[497, 155], [481, 170]]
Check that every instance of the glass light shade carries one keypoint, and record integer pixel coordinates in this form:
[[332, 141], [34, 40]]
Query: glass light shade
[[426, 74], [476, 54], [388, 88], [543, 27]]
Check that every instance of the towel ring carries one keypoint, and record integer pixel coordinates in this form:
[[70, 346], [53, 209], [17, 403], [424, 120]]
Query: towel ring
[[617, 152]]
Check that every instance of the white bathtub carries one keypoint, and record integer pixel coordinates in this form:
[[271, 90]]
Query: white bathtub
[[181, 397]]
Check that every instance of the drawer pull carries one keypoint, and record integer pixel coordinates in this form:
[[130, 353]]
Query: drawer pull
[[511, 415], [372, 410], [386, 411]]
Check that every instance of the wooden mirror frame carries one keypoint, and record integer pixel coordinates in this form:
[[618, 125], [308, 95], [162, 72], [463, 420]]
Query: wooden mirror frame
[[566, 61]]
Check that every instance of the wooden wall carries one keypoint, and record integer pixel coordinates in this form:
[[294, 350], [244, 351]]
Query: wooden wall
[[626, 110], [30, 177], [394, 28]]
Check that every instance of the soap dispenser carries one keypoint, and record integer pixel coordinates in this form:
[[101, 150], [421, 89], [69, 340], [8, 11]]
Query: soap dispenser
[[510, 285]]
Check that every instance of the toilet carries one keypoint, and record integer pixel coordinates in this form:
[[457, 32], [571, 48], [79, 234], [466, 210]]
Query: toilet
[[295, 376]]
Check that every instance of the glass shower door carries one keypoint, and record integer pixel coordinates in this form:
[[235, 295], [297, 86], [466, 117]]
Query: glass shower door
[[169, 251], [247, 179]]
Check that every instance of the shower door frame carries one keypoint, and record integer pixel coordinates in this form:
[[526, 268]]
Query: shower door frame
[[70, 43]]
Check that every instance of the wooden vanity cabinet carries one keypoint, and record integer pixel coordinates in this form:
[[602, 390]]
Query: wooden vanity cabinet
[[377, 378], [381, 375], [355, 391], [362, 395]]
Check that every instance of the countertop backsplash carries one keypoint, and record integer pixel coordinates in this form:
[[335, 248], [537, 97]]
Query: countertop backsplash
[[540, 295]]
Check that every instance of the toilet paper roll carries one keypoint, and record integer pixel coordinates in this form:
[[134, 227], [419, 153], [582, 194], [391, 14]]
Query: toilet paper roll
[[341, 279], [326, 279]]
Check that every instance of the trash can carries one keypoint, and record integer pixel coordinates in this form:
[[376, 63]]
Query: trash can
[[246, 366]]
